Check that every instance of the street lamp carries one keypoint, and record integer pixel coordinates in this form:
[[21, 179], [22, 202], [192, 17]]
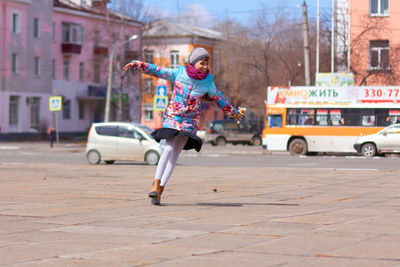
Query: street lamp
[[110, 72]]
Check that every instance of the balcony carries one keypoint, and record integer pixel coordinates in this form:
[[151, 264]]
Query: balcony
[[100, 51], [68, 48]]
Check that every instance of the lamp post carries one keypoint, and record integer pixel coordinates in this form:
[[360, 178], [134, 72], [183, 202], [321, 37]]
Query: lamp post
[[110, 72]]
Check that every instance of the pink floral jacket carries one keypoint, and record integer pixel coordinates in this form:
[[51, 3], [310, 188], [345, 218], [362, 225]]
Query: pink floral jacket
[[183, 110]]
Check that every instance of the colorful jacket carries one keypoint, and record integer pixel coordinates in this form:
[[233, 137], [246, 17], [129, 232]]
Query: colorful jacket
[[184, 106]]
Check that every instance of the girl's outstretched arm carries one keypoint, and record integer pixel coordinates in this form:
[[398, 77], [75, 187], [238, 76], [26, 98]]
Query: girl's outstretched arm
[[151, 69], [216, 95]]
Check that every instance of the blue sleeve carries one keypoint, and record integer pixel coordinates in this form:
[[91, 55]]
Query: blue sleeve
[[216, 95], [157, 71]]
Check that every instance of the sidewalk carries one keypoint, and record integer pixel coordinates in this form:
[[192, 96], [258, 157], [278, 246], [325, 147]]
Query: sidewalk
[[83, 215]]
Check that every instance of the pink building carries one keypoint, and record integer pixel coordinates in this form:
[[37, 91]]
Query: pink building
[[65, 53], [375, 42], [25, 77]]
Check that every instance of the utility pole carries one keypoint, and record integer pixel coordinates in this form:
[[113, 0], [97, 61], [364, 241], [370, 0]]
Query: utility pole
[[333, 39], [306, 46], [317, 45]]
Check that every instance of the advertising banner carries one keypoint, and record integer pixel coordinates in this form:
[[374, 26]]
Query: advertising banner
[[363, 94]]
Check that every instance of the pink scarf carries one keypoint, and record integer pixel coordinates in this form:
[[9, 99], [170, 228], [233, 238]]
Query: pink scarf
[[194, 73]]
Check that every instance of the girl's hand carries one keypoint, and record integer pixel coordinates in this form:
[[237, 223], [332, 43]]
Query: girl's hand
[[133, 64], [240, 114]]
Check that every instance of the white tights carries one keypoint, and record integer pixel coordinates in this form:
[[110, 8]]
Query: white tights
[[166, 165]]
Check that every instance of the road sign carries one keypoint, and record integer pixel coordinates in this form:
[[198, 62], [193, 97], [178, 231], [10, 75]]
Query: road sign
[[160, 103], [161, 90], [55, 103], [162, 82]]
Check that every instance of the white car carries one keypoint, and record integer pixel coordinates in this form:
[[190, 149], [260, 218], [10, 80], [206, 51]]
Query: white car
[[385, 141], [111, 141]]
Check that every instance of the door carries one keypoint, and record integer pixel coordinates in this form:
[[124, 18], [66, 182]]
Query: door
[[106, 141], [231, 131], [129, 144], [245, 132], [392, 139]]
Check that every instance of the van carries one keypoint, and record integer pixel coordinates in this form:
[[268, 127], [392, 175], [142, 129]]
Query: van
[[220, 132], [113, 141]]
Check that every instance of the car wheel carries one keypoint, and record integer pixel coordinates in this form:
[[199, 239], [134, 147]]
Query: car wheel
[[256, 141], [152, 157], [221, 141], [93, 157], [109, 161], [298, 147], [368, 150]]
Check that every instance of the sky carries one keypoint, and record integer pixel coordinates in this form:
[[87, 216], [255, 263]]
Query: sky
[[240, 10]]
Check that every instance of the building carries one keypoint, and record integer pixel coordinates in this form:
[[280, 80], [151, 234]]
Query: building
[[66, 53], [375, 42], [169, 44], [25, 80]]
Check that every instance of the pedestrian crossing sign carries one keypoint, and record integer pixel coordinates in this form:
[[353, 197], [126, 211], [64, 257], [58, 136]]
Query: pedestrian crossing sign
[[160, 103], [55, 103]]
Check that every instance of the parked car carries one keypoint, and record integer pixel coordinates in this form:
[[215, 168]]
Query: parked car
[[111, 141], [220, 132], [385, 141]]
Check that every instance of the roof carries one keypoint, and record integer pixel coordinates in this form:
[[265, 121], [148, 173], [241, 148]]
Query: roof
[[170, 29], [71, 4]]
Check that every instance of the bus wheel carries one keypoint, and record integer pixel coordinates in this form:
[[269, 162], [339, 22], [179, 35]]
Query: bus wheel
[[368, 150], [298, 147]]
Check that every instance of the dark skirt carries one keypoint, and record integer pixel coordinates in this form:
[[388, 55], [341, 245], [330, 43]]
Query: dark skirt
[[194, 142]]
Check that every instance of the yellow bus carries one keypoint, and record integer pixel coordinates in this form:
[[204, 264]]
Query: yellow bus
[[307, 120]]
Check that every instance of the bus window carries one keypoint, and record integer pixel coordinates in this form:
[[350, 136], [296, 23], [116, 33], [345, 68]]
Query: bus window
[[291, 117], [335, 117], [275, 120], [307, 117], [368, 117], [353, 117], [322, 117]]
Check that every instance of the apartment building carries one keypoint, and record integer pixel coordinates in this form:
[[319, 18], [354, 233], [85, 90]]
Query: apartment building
[[63, 47], [169, 44], [375, 41], [25, 80]]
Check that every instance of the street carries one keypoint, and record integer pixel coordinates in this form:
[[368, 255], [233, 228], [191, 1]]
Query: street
[[226, 206], [212, 156]]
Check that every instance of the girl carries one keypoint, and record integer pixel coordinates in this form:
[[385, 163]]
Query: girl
[[182, 115]]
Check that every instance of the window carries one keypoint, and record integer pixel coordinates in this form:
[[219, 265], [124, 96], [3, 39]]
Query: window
[[275, 120], [96, 72], [107, 130], [127, 43], [379, 7], [35, 113], [66, 109], [148, 56], [36, 28], [174, 59], [66, 70], [54, 32], [379, 55], [81, 111], [15, 22], [81, 71], [53, 69], [14, 63], [13, 111], [148, 112], [96, 39], [148, 86], [72, 33], [37, 66]]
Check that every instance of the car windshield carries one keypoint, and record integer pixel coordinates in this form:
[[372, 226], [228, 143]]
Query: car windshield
[[146, 129]]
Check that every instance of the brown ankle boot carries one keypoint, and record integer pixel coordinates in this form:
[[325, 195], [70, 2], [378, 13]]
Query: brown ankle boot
[[157, 200], [154, 188]]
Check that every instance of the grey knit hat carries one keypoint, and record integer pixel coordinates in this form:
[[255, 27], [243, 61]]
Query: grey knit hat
[[197, 54]]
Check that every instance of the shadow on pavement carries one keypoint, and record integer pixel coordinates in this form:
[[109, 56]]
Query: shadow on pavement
[[214, 204]]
